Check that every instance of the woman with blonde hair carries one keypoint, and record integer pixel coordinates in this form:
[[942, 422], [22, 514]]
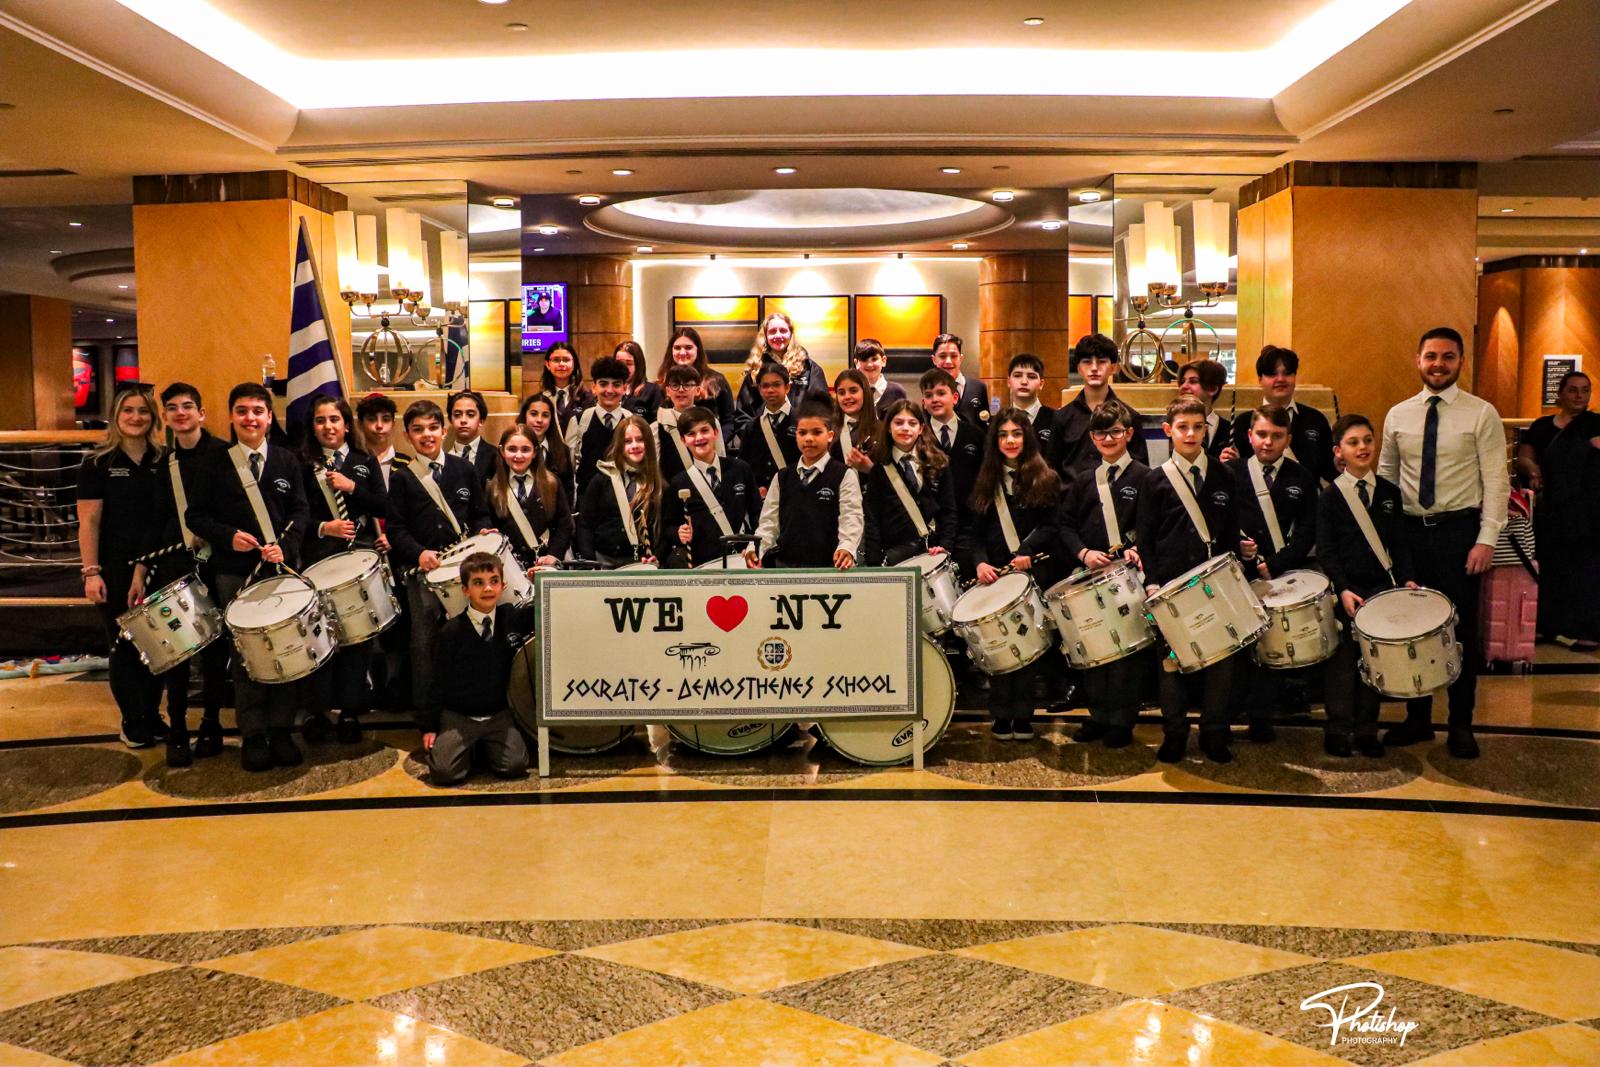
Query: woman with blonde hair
[[776, 342], [119, 502], [608, 531]]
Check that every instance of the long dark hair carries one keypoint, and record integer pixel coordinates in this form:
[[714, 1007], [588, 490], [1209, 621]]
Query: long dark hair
[[647, 501], [666, 364], [868, 426], [930, 457], [634, 349], [547, 381], [559, 457], [311, 448], [1037, 485], [499, 487]]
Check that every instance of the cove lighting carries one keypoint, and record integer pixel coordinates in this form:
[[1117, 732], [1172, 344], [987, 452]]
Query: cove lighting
[[1089, 196], [783, 170], [311, 83], [1003, 196], [589, 201], [504, 201]]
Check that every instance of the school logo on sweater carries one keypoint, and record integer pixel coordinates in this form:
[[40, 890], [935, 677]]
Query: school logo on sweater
[[1128, 492], [361, 469], [824, 493], [464, 493], [1220, 498], [1292, 492], [281, 484]]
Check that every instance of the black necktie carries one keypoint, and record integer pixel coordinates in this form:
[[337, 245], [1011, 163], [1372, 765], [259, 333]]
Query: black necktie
[[607, 419], [630, 481], [522, 488], [908, 471], [255, 466], [561, 399], [1111, 473], [1361, 488], [944, 437], [713, 478], [774, 419], [488, 628], [1430, 454], [1266, 472], [1194, 472], [806, 474], [333, 461]]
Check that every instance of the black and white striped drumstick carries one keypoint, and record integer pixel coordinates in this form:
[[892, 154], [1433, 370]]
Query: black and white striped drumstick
[[164, 550], [343, 512]]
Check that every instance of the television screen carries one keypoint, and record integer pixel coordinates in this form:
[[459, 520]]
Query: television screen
[[544, 315]]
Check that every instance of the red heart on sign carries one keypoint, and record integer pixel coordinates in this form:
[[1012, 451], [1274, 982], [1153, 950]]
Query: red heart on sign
[[726, 612]]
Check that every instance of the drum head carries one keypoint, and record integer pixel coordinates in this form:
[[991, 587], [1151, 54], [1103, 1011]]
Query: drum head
[[1194, 574], [640, 567], [270, 601], [730, 738], [1290, 588], [485, 542], [341, 568], [448, 572], [883, 743], [572, 740], [930, 562], [1402, 614], [982, 600], [734, 563]]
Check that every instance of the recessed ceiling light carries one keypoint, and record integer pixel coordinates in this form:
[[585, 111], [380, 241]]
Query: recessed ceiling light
[[504, 201], [959, 246], [1003, 196], [538, 250], [622, 172], [55, 251], [1089, 196], [588, 200], [1507, 210], [1033, 21], [1050, 224], [75, 225], [645, 248], [517, 27], [949, 170], [122, 287], [111, 320], [1583, 251], [549, 231], [493, 2], [783, 170]]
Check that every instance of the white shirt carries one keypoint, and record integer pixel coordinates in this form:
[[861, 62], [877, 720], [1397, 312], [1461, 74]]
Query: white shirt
[[261, 451], [879, 387], [330, 454], [1370, 481], [707, 468], [961, 385], [767, 413], [476, 618], [1213, 420], [939, 425], [386, 464], [852, 520], [1470, 471], [1033, 411], [465, 451]]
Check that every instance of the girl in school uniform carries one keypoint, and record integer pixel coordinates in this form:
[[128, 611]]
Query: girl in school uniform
[[910, 496], [859, 427], [630, 472], [529, 503], [642, 397], [541, 418], [562, 382]]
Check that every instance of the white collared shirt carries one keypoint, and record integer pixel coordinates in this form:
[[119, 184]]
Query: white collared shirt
[[879, 387], [339, 455], [1470, 468], [465, 451], [1213, 420], [386, 464], [261, 451], [939, 425], [1370, 481], [1033, 411], [476, 618], [767, 413], [707, 468], [852, 520]]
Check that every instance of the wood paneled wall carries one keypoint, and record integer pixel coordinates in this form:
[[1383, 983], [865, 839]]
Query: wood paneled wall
[[1022, 307], [1528, 310], [35, 363]]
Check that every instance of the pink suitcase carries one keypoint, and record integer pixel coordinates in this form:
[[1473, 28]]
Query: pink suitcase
[[1508, 611]]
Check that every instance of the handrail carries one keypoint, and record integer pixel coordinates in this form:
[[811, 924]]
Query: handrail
[[51, 437]]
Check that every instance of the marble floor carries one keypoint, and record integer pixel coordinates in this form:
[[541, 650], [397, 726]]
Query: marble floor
[[1035, 904]]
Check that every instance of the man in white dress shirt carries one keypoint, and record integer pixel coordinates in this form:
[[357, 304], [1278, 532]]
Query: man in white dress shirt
[[1446, 450]]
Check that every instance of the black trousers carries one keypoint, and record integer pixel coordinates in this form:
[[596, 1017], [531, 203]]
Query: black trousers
[[213, 661], [1439, 557], [1569, 583], [1113, 689], [1011, 695], [261, 707], [1352, 704], [341, 682], [133, 687], [1211, 687]]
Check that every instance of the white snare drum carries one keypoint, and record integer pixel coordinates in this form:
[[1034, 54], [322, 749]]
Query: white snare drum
[[357, 594], [730, 738], [940, 590], [444, 581], [1005, 625], [638, 567], [1207, 614], [279, 631], [1302, 626], [1100, 615], [733, 562], [172, 624], [1407, 640], [571, 740], [886, 742]]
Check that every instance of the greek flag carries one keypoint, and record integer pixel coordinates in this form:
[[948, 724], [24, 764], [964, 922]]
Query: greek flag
[[312, 369]]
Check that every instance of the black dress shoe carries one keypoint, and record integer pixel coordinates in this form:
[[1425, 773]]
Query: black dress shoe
[[255, 754], [1021, 730], [1214, 746], [1370, 746], [178, 754], [1337, 745], [1089, 731], [285, 753], [208, 742], [348, 729], [316, 728], [1461, 743], [1119, 736], [1173, 746], [156, 728], [1261, 732], [1408, 734]]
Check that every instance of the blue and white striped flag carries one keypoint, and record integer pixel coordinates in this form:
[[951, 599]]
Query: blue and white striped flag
[[312, 369]]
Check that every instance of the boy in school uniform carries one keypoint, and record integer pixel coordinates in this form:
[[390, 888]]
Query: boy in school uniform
[[1189, 513], [433, 503], [468, 410], [1357, 569], [972, 395], [682, 384], [870, 359], [1205, 379], [1278, 511], [1097, 526], [713, 482], [1024, 378], [1310, 439], [375, 415], [1095, 358], [962, 441], [590, 431], [767, 444], [236, 488], [467, 714], [812, 515]]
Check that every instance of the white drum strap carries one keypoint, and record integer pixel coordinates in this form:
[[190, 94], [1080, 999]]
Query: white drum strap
[[321, 479], [520, 517], [1258, 480], [844, 438], [1008, 528], [772, 441], [180, 498], [1347, 488], [1185, 492], [907, 501], [431, 487], [252, 492], [623, 506], [677, 438], [1108, 507], [710, 500]]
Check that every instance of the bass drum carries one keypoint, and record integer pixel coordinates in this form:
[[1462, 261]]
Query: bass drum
[[572, 740], [886, 742], [730, 738]]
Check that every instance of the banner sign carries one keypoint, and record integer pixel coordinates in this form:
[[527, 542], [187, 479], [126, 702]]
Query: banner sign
[[1556, 368], [659, 646]]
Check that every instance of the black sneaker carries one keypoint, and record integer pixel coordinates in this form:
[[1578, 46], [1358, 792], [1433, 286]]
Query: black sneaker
[[348, 729], [1369, 746], [1173, 746], [285, 753], [136, 735], [1021, 730], [208, 742], [1119, 736], [316, 728], [1337, 745], [1001, 730], [156, 728], [1261, 732], [1214, 746], [1461, 743], [1408, 733], [255, 754], [1090, 731], [178, 754]]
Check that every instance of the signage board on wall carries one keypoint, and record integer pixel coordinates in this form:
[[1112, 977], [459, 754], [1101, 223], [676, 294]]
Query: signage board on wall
[[1556, 368]]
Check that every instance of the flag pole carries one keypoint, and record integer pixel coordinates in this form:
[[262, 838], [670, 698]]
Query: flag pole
[[322, 299]]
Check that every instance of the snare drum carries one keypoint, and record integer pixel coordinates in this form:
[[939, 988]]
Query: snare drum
[[886, 742], [940, 590], [444, 581], [1005, 624], [279, 631], [1407, 640], [1207, 614], [730, 738], [638, 567], [572, 740], [732, 562], [357, 595], [1302, 626], [1100, 615], [172, 624]]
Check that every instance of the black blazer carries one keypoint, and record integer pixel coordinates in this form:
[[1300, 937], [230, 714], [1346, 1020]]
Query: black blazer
[[218, 507], [1046, 425], [1074, 452], [1294, 498], [599, 526], [813, 385], [755, 453], [559, 524], [667, 452], [592, 445], [369, 501], [647, 401], [190, 460], [1036, 528], [966, 457], [1168, 543], [890, 537], [415, 522], [1079, 521], [974, 403], [485, 459], [471, 675], [891, 392], [1223, 438], [737, 491], [1309, 435], [1342, 548], [576, 402]]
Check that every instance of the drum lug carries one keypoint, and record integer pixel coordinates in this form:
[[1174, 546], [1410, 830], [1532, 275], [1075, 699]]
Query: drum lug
[[1411, 652], [301, 626], [1416, 683], [1289, 650], [1198, 655], [1285, 619], [1233, 633], [364, 595], [1205, 588], [266, 639]]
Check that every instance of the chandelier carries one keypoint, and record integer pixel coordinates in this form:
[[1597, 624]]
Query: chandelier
[[1155, 282]]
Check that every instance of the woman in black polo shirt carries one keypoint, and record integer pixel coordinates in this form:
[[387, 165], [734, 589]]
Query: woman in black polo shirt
[[118, 502]]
